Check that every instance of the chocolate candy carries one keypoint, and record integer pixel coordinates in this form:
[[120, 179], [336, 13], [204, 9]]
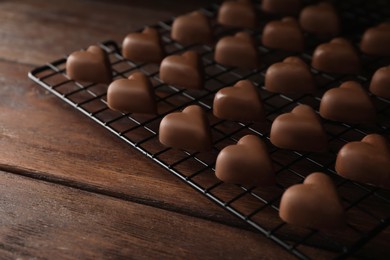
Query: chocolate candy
[[348, 103], [184, 70], [239, 13], [132, 95], [380, 82], [192, 28], [301, 130], [145, 46], [376, 40], [284, 7], [313, 204], [283, 35], [246, 163], [91, 65], [337, 56], [238, 51], [321, 20], [292, 76], [242, 102], [367, 161], [188, 130]]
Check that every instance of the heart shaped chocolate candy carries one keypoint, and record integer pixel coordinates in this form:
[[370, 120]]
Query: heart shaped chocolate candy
[[283, 35], [132, 95], [292, 76], [376, 40], [284, 7], [367, 161], [301, 129], [348, 103], [184, 70], [337, 56], [313, 204], [145, 46], [246, 163], [192, 28], [239, 14], [320, 19], [91, 65], [242, 102], [237, 51], [188, 130], [380, 82]]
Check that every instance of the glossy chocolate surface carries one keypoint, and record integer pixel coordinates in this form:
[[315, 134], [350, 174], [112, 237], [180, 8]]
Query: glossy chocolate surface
[[348, 103], [91, 65], [185, 70], [239, 14], [192, 28], [301, 130], [237, 51], [144, 46], [291, 76], [187, 130], [376, 40], [283, 35], [313, 204], [132, 95], [367, 161], [283, 7], [337, 56], [380, 82], [246, 163], [321, 20], [241, 102]]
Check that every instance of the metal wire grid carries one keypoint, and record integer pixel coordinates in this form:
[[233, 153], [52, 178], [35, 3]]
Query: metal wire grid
[[367, 207]]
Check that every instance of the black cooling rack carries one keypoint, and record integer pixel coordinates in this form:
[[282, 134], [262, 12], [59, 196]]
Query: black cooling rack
[[367, 207]]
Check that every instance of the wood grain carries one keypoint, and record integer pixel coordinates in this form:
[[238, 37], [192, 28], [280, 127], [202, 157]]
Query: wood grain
[[41, 220], [48, 139], [89, 195], [39, 31]]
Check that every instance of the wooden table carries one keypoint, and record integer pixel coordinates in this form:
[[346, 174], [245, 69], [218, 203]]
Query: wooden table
[[68, 189]]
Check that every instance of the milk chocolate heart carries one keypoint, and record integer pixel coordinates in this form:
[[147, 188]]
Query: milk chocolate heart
[[239, 14], [237, 51], [246, 163], [188, 130], [284, 35], [184, 70], [376, 40], [284, 7], [367, 161], [348, 103], [91, 65], [301, 130], [313, 204], [242, 102], [132, 95], [145, 46], [337, 56], [380, 82], [292, 76], [192, 28], [321, 20]]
